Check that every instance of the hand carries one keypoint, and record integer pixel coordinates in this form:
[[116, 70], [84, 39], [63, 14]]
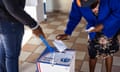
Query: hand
[[97, 28], [38, 32], [62, 37]]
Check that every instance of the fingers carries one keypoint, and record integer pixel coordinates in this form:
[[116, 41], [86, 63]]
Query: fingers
[[99, 28], [91, 29], [62, 37], [38, 32]]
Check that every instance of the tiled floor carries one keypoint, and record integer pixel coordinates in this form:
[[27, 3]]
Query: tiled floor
[[55, 24]]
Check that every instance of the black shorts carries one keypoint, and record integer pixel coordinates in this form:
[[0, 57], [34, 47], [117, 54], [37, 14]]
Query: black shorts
[[101, 45]]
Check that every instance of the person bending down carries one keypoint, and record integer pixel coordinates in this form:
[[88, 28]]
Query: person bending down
[[103, 18]]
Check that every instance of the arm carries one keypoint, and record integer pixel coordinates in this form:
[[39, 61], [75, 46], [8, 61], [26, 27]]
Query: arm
[[111, 18], [74, 18], [15, 10]]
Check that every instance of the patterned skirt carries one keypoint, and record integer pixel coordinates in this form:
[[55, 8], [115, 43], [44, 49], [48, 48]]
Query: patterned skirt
[[102, 46]]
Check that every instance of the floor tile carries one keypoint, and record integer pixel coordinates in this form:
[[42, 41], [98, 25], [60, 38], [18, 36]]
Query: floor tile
[[34, 40], [116, 61], [81, 40], [24, 55], [80, 55], [28, 67], [33, 58], [80, 47], [62, 17], [98, 67], [52, 37], [66, 20], [83, 21], [117, 53], [115, 68], [61, 28], [40, 49], [75, 34], [43, 25], [68, 44], [81, 25], [48, 31], [50, 19], [78, 64], [52, 26], [85, 67], [29, 47], [83, 35], [58, 32], [55, 23]]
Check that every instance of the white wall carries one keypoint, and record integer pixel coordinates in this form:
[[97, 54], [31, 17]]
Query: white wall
[[31, 2], [49, 5], [35, 9], [62, 5]]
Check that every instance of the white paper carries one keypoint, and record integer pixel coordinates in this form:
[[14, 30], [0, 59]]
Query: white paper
[[59, 45]]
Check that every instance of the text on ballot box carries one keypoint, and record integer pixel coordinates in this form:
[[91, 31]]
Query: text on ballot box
[[56, 61]]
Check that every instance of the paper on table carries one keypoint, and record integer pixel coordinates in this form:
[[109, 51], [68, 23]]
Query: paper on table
[[59, 45]]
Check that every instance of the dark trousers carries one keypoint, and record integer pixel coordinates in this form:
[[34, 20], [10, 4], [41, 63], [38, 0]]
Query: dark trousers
[[10, 45]]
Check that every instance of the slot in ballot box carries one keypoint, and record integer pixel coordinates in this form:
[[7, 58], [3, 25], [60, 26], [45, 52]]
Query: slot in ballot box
[[56, 61]]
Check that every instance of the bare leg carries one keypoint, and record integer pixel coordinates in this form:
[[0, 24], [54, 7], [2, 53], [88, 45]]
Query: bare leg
[[108, 62], [92, 64]]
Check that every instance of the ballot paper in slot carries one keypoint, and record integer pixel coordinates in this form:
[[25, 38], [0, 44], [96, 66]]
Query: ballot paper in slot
[[59, 45]]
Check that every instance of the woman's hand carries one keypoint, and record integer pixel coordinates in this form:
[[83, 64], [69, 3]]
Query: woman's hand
[[62, 37], [97, 28]]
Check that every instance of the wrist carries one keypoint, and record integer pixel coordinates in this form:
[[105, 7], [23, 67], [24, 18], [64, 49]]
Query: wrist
[[35, 27]]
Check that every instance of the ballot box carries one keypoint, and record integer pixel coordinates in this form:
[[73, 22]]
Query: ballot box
[[56, 61]]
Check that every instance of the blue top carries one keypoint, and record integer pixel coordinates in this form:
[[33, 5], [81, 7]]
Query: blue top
[[109, 16]]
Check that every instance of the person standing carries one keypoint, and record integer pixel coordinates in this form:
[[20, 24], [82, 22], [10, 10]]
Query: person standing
[[12, 21], [103, 25]]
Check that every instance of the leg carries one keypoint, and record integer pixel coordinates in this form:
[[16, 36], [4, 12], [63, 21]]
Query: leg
[[12, 43], [2, 56], [92, 55], [92, 64], [108, 62]]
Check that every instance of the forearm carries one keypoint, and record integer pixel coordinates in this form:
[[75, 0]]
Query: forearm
[[97, 28]]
